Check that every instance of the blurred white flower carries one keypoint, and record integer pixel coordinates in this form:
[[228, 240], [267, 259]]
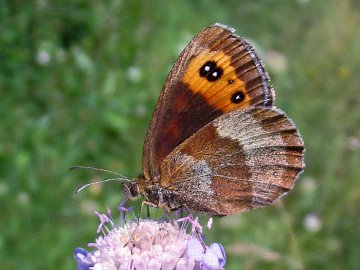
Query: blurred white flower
[[303, 2], [312, 222], [140, 110], [134, 74], [308, 185], [43, 57], [276, 61], [23, 198], [353, 143], [41, 4], [83, 61]]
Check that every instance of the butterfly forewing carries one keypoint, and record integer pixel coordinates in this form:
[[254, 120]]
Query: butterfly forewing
[[217, 72], [241, 160]]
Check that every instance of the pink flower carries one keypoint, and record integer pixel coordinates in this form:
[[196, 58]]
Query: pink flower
[[156, 244]]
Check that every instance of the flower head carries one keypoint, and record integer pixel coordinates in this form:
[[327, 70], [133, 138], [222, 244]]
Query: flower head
[[149, 244]]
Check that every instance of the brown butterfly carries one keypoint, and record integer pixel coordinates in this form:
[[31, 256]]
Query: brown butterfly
[[216, 144]]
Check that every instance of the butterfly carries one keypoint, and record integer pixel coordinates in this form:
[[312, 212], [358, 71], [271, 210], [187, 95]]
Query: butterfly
[[216, 143]]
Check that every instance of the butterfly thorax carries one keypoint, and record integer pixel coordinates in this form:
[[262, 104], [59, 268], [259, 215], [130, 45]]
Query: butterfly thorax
[[153, 193], [163, 198]]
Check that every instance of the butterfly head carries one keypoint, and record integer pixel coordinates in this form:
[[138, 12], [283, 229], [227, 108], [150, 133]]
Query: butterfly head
[[152, 192], [132, 189]]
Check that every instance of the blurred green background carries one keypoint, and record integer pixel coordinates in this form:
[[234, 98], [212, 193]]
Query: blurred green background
[[79, 81]]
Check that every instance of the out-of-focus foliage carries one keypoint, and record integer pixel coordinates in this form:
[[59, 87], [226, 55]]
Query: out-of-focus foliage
[[79, 81]]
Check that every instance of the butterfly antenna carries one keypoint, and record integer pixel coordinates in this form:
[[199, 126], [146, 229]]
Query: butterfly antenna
[[80, 188], [98, 170]]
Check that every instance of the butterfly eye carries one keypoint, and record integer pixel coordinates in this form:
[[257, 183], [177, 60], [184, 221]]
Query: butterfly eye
[[210, 71], [207, 68], [237, 97], [215, 74]]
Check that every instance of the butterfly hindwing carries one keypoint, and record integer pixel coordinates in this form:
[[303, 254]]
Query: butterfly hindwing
[[241, 160]]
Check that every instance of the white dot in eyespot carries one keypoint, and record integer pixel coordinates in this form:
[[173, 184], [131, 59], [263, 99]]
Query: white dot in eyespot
[[214, 74], [207, 68]]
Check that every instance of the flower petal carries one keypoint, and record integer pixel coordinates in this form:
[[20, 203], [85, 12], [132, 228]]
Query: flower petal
[[168, 261], [195, 249], [83, 259], [181, 264], [209, 224], [210, 260], [154, 265], [139, 263], [185, 264], [220, 253]]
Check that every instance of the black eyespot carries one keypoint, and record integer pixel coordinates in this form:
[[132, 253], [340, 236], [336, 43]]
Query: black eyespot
[[207, 68], [230, 81], [237, 97], [214, 75]]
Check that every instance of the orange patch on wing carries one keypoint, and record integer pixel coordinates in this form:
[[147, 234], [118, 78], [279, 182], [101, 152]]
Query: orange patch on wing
[[216, 93]]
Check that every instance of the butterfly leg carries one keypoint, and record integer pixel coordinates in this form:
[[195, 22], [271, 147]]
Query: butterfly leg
[[143, 203]]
